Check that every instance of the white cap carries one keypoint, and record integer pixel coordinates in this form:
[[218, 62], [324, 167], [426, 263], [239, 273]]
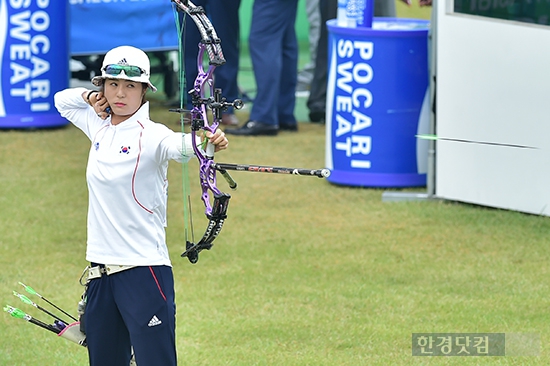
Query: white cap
[[130, 56]]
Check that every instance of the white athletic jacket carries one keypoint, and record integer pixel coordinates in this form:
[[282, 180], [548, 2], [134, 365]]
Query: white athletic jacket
[[127, 182]]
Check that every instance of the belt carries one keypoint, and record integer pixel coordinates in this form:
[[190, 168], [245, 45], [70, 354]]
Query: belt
[[108, 269]]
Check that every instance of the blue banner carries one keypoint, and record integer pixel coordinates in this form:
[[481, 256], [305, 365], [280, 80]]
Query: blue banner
[[34, 62], [98, 25]]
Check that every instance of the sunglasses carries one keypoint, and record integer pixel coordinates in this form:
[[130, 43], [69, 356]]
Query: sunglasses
[[130, 71]]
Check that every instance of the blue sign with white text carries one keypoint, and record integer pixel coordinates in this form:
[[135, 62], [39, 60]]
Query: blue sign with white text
[[34, 62]]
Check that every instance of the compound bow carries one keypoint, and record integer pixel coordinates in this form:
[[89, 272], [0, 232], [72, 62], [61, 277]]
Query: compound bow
[[210, 45], [216, 211]]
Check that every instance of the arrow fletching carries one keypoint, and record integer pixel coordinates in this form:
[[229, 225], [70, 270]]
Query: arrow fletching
[[16, 313], [30, 290], [24, 298], [426, 137]]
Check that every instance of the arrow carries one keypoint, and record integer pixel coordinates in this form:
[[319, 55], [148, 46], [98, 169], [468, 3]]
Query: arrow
[[435, 138], [28, 301], [31, 291], [20, 314]]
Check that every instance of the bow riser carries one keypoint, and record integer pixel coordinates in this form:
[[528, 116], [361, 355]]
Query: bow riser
[[207, 175]]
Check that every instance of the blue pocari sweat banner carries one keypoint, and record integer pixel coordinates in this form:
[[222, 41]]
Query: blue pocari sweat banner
[[34, 62], [99, 25]]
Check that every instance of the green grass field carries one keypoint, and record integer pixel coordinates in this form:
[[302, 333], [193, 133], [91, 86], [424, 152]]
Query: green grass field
[[304, 272]]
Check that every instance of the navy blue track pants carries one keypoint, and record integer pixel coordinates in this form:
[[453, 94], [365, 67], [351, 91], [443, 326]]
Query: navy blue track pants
[[133, 308]]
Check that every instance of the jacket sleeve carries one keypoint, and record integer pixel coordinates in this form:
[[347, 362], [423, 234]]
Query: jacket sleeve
[[176, 146], [73, 107]]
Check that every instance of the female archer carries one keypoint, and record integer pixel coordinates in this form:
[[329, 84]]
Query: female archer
[[130, 291]]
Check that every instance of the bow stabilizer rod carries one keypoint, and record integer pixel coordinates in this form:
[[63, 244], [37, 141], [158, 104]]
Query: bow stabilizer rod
[[320, 173]]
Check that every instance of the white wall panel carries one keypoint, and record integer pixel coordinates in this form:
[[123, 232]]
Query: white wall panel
[[493, 85]]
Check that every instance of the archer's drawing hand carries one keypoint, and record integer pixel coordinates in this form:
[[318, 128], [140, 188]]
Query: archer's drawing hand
[[217, 139], [100, 105]]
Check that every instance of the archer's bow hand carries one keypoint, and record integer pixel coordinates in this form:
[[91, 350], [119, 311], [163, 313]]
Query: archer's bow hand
[[218, 139]]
